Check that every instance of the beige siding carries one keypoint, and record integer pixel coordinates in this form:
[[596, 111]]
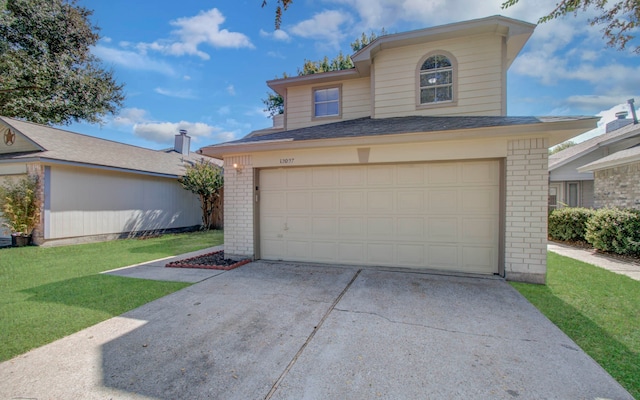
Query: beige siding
[[479, 77], [356, 103], [21, 144], [87, 202]]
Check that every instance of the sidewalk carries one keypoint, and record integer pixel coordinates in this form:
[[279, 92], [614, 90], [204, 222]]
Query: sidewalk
[[156, 269], [630, 269]]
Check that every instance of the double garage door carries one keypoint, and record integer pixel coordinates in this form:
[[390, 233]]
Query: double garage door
[[442, 215]]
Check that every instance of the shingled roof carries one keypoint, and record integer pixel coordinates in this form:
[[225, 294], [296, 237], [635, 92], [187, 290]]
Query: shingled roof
[[57, 145], [389, 126], [571, 153]]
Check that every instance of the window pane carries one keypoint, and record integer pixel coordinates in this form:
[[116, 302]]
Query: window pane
[[572, 201], [332, 108], [436, 78], [435, 62], [427, 95], [332, 94], [443, 93], [320, 95]]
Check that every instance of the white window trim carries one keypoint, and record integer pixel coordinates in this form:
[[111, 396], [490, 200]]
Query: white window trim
[[454, 78], [313, 102]]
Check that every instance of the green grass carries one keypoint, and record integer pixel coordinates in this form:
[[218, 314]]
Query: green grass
[[49, 293], [598, 309]]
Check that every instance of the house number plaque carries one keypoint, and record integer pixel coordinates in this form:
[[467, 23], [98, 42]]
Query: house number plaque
[[286, 160]]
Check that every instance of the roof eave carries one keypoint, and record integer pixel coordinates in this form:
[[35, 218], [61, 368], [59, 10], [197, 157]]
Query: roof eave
[[555, 132]]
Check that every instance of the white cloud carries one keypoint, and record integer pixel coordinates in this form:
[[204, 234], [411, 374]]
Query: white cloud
[[130, 116], [131, 60], [224, 110], [231, 90], [192, 32], [276, 54], [181, 94], [164, 132], [186, 78], [324, 26], [278, 34]]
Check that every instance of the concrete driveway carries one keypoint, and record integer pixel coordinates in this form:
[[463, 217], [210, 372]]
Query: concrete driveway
[[282, 331]]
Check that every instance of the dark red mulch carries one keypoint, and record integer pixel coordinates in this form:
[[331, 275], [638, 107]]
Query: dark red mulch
[[214, 260]]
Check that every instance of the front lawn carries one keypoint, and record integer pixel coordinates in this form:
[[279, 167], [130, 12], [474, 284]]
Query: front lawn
[[49, 293], [598, 309]]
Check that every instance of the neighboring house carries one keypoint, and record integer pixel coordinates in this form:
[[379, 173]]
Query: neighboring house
[[406, 160], [572, 186], [95, 189], [617, 179]]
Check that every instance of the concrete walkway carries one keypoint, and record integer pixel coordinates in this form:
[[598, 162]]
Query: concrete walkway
[[630, 269]]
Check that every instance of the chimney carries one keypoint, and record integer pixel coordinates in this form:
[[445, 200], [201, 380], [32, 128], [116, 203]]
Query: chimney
[[182, 143], [633, 111]]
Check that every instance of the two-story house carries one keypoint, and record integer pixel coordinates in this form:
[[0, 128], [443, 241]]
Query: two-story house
[[407, 160]]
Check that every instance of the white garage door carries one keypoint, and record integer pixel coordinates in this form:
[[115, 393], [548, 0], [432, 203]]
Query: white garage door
[[441, 215]]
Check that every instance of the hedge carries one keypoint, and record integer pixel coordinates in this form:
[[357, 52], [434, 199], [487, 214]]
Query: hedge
[[615, 230], [569, 224]]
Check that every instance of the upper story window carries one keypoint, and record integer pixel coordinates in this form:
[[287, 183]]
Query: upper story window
[[437, 79], [326, 102]]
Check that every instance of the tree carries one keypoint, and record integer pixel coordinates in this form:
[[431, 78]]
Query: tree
[[205, 179], [47, 72], [619, 19], [281, 6], [561, 146]]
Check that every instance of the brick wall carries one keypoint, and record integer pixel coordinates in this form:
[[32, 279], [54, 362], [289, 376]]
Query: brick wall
[[526, 211], [238, 207], [618, 187]]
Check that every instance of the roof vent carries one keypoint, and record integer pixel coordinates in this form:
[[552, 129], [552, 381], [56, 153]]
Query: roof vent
[[182, 142], [622, 114]]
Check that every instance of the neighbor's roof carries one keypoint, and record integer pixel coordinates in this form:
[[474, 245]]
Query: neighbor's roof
[[61, 146], [574, 152], [369, 127], [616, 159]]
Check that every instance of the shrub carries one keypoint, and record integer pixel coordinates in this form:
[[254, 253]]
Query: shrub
[[569, 223], [615, 230], [20, 205]]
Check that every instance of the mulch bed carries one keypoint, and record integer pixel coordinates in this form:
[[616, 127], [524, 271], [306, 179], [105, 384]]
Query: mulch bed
[[213, 260]]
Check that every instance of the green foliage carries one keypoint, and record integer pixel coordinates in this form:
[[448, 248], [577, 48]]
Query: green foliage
[[205, 179], [47, 293], [47, 72], [569, 223], [562, 146], [20, 205], [274, 104], [615, 230], [364, 40], [620, 19], [597, 309]]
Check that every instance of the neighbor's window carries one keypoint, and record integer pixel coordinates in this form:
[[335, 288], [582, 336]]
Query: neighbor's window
[[326, 102], [436, 80]]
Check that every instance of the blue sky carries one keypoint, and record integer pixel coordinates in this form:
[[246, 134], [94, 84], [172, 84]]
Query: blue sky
[[202, 65]]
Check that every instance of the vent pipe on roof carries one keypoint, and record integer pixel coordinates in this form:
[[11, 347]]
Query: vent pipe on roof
[[633, 111], [182, 143]]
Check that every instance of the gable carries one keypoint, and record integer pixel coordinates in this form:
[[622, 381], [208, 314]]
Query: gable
[[12, 141]]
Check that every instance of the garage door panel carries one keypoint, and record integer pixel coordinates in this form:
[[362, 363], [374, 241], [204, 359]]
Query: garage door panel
[[325, 202], [351, 176], [351, 252], [352, 227], [380, 175], [441, 215], [352, 202], [442, 201], [380, 253], [411, 227], [410, 202], [411, 175], [325, 226], [380, 202], [324, 251], [380, 227], [324, 177]]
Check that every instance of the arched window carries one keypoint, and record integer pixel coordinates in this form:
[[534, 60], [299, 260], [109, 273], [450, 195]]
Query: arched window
[[436, 78]]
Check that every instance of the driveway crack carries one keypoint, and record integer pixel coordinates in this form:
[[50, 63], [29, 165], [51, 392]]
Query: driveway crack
[[313, 333], [435, 328]]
